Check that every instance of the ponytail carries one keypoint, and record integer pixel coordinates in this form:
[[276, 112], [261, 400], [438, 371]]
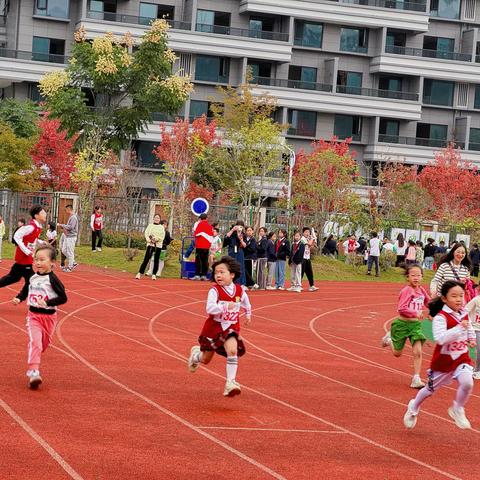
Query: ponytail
[[437, 304]]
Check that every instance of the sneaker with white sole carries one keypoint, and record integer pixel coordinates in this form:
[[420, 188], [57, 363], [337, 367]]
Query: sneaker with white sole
[[458, 416], [99, 249], [138, 276], [192, 364], [232, 388], [291, 289], [313, 289], [196, 278], [476, 375], [417, 382], [269, 287], [34, 379], [154, 277], [280, 288], [255, 287], [410, 417], [387, 339]]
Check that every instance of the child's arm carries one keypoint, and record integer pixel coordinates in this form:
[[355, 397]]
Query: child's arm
[[59, 289], [471, 308], [214, 307], [427, 299], [441, 334], [245, 303], [21, 296], [403, 304]]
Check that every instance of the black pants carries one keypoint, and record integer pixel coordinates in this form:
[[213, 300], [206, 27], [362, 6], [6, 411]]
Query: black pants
[[308, 270], [201, 262], [249, 273], [475, 270], [146, 259], [16, 273], [97, 234]]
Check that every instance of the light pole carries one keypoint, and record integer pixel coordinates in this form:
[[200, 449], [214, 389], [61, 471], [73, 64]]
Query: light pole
[[291, 165]]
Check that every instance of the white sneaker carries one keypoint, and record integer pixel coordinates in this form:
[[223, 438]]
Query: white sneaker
[[34, 379], [154, 277], [387, 339], [255, 287], [410, 418], [185, 259], [458, 416], [476, 375], [94, 251], [192, 365], [269, 287], [417, 382], [232, 388], [313, 289], [99, 249], [196, 278], [147, 273], [291, 289], [138, 276], [280, 288]]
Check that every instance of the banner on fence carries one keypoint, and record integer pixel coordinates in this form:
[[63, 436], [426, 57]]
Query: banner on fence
[[463, 238], [412, 235]]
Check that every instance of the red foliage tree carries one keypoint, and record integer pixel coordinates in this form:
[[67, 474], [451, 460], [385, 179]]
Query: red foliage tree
[[53, 155]]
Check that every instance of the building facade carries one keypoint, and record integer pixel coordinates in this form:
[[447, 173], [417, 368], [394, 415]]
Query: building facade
[[401, 78]]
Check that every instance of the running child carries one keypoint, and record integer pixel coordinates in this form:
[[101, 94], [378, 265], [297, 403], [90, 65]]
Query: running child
[[453, 334], [473, 309], [412, 299], [44, 293], [221, 331]]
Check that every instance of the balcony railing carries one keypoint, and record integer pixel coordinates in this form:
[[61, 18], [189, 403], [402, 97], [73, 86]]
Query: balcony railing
[[306, 42], [421, 52], [242, 32], [122, 18], [395, 4], [284, 83], [372, 92], [354, 49], [438, 100], [33, 56], [301, 132], [417, 141], [356, 137]]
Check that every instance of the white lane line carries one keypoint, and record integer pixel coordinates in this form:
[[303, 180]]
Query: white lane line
[[287, 430], [42, 442]]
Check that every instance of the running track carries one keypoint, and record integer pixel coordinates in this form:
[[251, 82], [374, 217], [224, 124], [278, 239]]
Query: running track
[[320, 399]]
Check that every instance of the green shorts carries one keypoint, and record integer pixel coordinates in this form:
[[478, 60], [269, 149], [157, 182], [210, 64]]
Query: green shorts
[[403, 329]]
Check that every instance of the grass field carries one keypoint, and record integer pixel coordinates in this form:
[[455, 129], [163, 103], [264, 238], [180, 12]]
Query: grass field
[[324, 268]]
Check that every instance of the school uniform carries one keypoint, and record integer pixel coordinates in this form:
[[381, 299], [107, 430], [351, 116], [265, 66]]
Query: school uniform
[[262, 263], [282, 249], [271, 260], [295, 261], [250, 253]]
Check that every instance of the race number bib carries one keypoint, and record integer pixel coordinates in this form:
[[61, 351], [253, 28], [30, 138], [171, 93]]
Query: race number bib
[[455, 349]]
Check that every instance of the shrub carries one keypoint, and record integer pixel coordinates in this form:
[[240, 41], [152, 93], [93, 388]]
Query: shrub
[[120, 240], [130, 253], [355, 260], [387, 260]]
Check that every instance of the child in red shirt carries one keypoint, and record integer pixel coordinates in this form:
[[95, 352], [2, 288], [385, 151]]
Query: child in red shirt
[[221, 331]]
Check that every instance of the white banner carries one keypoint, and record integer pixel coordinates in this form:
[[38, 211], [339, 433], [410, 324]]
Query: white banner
[[464, 238]]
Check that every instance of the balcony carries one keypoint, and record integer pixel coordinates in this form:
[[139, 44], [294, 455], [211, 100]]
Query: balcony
[[222, 41], [433, 64], [21, 66], [411, 150], [301, 95], [366, 13]]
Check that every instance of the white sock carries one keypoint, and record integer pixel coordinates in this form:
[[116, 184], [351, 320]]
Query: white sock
[[232, 366], [197, 358]]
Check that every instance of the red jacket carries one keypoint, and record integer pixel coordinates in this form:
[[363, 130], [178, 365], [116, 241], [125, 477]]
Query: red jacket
[[203, 235], [30, 232]]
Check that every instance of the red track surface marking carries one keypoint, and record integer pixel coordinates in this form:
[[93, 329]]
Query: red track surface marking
[[99, 406]]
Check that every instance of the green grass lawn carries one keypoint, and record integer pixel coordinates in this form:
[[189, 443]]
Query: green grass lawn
[[324, 268]]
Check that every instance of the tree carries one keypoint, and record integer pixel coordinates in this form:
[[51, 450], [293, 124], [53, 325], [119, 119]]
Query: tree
[[249, 160], [322, 181], [15, 162], [21, 116], [181, 147], [53, 155]]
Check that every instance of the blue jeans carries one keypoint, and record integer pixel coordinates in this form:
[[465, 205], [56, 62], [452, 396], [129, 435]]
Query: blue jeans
[[428, 263], [280, 273], [373, 260], [190, 248]]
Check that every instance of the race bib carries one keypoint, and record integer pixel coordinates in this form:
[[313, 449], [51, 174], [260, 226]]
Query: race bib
[[455, 349]]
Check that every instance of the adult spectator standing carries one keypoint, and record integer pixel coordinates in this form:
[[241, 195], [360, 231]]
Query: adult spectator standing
[[388, 246], [475, 259], [96, 225], [309, 241], [429, 254], [154, 235], [70, 231], [203, 240], [235, 242], [362, 246], [401, 246], [441, 249], [330, 247], [250, 253], [374, 254]]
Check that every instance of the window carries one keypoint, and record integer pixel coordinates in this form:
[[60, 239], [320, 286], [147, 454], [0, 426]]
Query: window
[[438, 92], [261, 72], [474, 143], [103, 10], [213, 22], [395, 42], [388, 130], [354, 40], [199, 108], [393, 84], [212, 69], [145, 155], [48, 50], [349, 82], [34, 93], [302, 123], [152, 11], [431, 135], [476, 102], [308, 34], [52, 8], [348, 126], [445, 8], [302, 77], [438, 47]]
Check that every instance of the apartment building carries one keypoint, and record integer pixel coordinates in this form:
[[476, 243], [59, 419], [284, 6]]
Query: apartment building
[[402, 78]]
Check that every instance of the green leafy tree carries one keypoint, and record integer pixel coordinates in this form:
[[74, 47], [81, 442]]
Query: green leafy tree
[[21, 115]]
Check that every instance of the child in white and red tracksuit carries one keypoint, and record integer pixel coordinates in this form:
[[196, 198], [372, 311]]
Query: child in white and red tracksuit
[[221, 331], [96, 225], [43, 294]]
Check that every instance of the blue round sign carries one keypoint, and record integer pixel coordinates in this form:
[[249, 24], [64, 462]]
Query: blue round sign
[[199, 206]]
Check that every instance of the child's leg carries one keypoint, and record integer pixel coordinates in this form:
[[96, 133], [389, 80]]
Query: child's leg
[[35, 344], [417, 357], [465, 387], [477, 363], [231, 347], [298, 276]]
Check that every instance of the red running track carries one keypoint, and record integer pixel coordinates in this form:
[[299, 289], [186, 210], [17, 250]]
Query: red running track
[[320, 399]]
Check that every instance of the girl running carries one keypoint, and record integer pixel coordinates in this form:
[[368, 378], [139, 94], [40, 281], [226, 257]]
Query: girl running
[[453, 334], [221, 331], [413, 297], [44, 293]]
